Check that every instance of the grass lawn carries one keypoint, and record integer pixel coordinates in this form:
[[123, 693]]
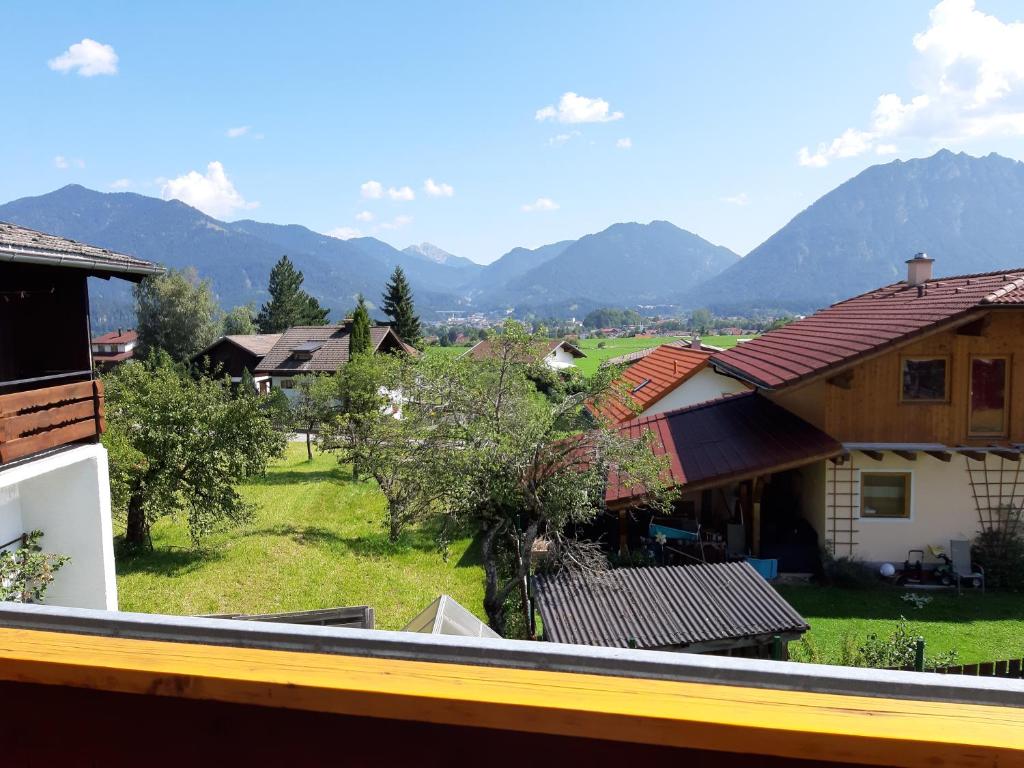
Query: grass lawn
[[615, 347], [980, 627], [317, 541]]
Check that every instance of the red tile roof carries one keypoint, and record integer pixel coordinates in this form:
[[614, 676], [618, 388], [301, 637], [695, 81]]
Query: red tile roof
[[116, 337], [856, 327], [650, 379], [726, 440]]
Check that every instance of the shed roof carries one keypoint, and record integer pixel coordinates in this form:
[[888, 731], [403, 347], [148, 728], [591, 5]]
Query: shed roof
[[665, 606], [851, 329], [332, 353], [733, 438], [27, 246], [652, 378]]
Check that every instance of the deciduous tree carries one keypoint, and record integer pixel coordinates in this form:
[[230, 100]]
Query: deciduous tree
[[178, 445], [240, 321], [313, 404], [289, 304], [176, 313]]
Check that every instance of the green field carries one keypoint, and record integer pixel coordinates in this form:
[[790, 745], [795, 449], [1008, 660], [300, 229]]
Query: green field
[[317, 541], [615, 347], [980, 627]]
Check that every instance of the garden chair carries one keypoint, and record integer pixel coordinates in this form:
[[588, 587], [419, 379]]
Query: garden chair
[[963, 568]]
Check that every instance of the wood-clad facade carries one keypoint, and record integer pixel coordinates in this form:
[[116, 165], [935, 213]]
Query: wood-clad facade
[[864, 403]]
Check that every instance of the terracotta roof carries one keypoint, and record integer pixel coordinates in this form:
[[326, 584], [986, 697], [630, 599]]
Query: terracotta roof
[[735, 437], [856, 327], [20, 244], [329, 356], [650, 379], [116, 337], [640, 354], [112, 357], [483, 350], [659, 607]]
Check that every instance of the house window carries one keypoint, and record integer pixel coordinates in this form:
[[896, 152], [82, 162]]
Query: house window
[[287, 383], [925, 379], [989, 383], [885, 494]]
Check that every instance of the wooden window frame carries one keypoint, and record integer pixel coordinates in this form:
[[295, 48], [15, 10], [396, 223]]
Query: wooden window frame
[[946, 385], [907, 489], [1007, 399]]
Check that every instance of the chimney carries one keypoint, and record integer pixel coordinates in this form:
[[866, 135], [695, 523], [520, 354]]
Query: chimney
[[919, 269], [695, 342]]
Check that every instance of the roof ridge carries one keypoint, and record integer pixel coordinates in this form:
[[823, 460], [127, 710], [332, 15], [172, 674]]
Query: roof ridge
[[1009, 287]]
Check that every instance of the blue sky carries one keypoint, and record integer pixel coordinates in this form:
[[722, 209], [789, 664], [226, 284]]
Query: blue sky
[[717, 101]]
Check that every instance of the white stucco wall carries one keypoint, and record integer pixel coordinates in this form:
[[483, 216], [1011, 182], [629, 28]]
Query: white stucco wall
[[702, 386], [275, 383], [560, 358], [67, 497], [942, 506]]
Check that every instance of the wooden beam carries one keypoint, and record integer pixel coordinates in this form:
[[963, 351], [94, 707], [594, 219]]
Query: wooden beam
[[1008, 454], [840, 459], [976, 455], [876, 455], [843, 380], [975, 327], [908, 455], [941, 455]]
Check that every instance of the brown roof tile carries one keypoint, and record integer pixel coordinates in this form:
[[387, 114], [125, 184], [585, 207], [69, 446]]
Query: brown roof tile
[[329, 356], [859, 326], [651, 378]]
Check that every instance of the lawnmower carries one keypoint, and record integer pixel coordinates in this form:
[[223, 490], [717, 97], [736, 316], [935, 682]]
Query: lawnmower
[[943, 573], [913, 571]]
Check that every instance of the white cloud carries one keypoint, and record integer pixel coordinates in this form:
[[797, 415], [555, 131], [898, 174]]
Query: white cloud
[[63, 163], [573, 108], [364, 216], [401, 193], [234, 133], [624, 143], [972, 86], [88, 58], [212, 193], [541, 204], [740, 199], [371, 190], [434, 189], [121, 184], [397, 223], [560, 139], [344, 233]]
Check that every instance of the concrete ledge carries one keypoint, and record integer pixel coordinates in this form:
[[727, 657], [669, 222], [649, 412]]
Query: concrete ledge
[[518, 654]]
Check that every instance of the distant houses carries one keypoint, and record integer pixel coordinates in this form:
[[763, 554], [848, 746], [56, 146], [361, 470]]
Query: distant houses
[[113, 348], [238, 355], [557, 354]]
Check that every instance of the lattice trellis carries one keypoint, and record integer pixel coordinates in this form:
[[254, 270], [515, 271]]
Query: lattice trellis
[[843, 489], [998, 494]]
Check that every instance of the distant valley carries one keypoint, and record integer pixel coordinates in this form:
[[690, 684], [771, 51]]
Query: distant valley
[[967, 212]]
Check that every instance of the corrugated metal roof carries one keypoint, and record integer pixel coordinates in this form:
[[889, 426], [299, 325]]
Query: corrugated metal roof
[[850, 329], [20, 244], [663, 606], [651, 379], [735, 437], [329, 356]]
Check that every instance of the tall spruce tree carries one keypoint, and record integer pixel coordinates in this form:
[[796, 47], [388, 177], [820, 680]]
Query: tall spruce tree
[[359, 340], [289, 305], [398, 305]]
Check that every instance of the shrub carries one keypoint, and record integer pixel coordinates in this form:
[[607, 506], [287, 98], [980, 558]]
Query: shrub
[[847, 572], [26, 572], [898, 650], [1001, 553]]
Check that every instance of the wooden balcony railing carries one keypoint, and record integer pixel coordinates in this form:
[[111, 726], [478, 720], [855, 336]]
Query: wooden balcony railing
[[40, 419]]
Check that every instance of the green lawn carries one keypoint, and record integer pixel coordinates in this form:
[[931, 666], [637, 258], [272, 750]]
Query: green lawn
[[317, 541], [615, 347], [980, 627]]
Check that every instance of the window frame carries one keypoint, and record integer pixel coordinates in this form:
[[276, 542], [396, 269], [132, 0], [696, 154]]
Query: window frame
[[1007, 399], [908, 490], [946, 384]]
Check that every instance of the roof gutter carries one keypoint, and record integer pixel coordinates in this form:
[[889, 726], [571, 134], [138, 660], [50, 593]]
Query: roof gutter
[[20, 256]]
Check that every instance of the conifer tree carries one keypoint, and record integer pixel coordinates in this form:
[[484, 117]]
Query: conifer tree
[[289, 305], [398, 305], [359, 340]]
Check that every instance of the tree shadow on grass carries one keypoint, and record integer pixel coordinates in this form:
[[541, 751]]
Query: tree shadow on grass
[[292, 477], [173, 561]]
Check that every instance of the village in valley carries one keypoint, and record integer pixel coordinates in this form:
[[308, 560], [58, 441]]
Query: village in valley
[[304, 496]]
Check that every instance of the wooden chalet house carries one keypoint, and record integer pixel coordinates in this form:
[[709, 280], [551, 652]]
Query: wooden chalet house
[[236, 355], [53, 471], [320, 349], [113, 348], [887, 422]]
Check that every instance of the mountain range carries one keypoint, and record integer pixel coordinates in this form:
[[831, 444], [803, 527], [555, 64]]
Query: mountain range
[[965, 211]]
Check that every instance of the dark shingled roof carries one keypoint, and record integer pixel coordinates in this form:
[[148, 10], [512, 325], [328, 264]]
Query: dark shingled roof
[[20, 244], [851, 329], [667, 606], [725, 440], [329, 356]]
